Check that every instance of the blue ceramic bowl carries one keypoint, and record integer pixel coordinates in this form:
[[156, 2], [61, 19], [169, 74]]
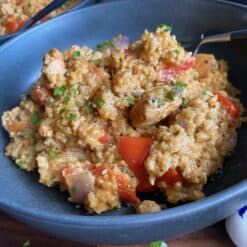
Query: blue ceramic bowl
[[83, 3], [47, 209]]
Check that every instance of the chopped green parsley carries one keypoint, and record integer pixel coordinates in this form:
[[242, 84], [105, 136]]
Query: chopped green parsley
[[73, 91], [61, 111], [89, 108], [176, 51], [131, 101], [52, 154], [185, 102], [161, 102], [59, 91], [170, 96], [204, 92], [99, 103], [105, 44], [66, 99], [76, 54], [73, 189], [164, 27], [72, 116], [21, 162], [179, 87], [35, 118]]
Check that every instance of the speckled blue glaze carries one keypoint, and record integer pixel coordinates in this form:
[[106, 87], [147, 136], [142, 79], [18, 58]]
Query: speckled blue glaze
[[242, 211], [47, 209]]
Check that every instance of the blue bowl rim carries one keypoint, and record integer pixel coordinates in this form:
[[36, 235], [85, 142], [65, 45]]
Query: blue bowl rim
[[123, 220]]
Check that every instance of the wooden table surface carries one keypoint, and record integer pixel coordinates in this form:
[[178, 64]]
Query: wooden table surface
[[14, 234]]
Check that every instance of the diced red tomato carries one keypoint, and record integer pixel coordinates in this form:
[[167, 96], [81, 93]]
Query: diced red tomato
[[122, 181], [11, 24], [170, 177], [143, 185], [125, 193], [189, 63], [41, 94], [22, 23], [171, 72], [45, 18], [104, 139], [134, 150], [129, 196], [231, 107], [102, 170]]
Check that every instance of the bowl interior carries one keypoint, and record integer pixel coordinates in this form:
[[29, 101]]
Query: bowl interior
[[21, 60]]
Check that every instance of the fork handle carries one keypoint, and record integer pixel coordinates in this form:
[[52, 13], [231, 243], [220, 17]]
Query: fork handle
[[239, 34], [222, 37]]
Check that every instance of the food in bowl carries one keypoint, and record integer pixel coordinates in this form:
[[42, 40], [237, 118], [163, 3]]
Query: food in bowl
[[15, 13], [109, 123]]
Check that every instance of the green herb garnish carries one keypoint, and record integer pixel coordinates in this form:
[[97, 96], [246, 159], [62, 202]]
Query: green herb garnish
[[170, 95], [66, 99], [105, 44], [181, 84], [204, 92], [73, 189], [90, 108], [99, 103], [35, 118], [161, 102], [76, 54], [60, 90], [72, 116], [176, 51], [179, 87], [131, 101], [185, 102], [52, 154], [73, 91], [164, 27], [158, 244], [61, 111], [21, 162], [26, 244]]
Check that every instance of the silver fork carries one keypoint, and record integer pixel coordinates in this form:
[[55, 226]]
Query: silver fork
[[217, 38]]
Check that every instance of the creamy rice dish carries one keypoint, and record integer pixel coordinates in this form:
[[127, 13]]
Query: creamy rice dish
[[15, 13], [109, 123]]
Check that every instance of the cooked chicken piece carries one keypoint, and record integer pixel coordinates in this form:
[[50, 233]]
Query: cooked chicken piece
[[160, 102], [205, 63], [19, 119], [54, 68], [16, 121], [148, 111]]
